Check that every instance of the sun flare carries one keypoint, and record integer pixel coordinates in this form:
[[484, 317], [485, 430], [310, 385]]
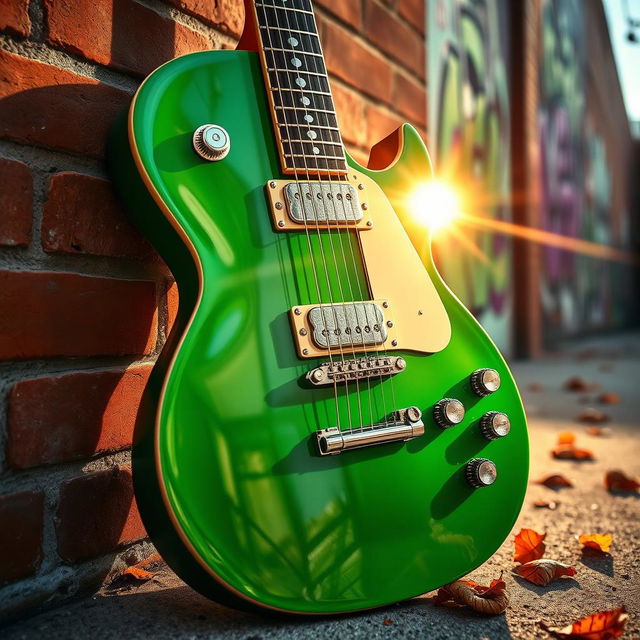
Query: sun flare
[[435, 204]]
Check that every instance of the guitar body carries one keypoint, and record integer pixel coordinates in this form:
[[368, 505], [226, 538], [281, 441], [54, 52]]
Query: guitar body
[[227, 472]]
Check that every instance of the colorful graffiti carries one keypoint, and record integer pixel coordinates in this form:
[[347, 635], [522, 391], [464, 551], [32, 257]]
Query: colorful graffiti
[[470, 125]]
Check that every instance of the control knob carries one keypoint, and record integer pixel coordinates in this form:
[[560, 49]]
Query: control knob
[[494, 425], [484, 382], [211, 142], [480, 472], [448, 412]]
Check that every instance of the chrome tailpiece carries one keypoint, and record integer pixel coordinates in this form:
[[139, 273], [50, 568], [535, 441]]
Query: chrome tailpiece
[[329, 373]]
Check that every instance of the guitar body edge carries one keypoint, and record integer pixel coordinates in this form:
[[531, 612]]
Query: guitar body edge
[[227, 475]]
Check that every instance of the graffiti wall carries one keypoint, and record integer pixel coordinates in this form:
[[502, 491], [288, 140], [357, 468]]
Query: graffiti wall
[[470, 141]]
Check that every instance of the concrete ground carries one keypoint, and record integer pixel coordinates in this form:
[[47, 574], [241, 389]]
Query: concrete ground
[[166, 608]]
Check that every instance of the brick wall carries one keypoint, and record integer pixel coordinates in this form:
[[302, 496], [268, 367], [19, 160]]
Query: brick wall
[[85, 302]]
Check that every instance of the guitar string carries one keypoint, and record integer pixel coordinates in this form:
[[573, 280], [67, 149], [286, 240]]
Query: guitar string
[[320, 70], [329, 234], [389, 315], [301, 197]]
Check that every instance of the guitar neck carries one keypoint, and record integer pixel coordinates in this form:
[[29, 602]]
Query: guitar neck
[[297, 84]]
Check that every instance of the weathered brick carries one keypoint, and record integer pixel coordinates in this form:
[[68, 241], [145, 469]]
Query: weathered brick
[[226, 15], [349, 11], [14, 17], [97, 513], [16, 203], [94, 412], [83, 215], [411, 99], [355, 64], [62, 314], [350, 107], [20, 535], [173, 302], [394, 37], [413, 11], [50, 107], [122, 34]]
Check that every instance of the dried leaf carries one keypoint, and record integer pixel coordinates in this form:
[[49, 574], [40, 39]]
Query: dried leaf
[[555, 481], [544, 571], [529, 546], [603, 432], [387, 622], [154, 558], [490, 600], [576, 384], [536, 386], [618, 481], [592, 416], [609, 398], [569, 452], [544, 504], [597, 541], [566, 437], [138, 574], [605, 625]]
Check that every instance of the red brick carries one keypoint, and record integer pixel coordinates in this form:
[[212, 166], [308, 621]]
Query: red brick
[[44, 315], [50, 107], [356, 65], [349, 11], [73, 416], [20, 535], [395, 38], [413, 11], [14, 17], [381, 123], [411, 100], [350, 107], [83, 215], [97, 513], [16, 203], [226, 15], [173, 301], [122, 34]]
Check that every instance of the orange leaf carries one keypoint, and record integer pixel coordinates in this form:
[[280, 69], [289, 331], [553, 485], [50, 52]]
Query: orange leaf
[[138, 574], [597, 541], [555, 481], [490, 600], [566, 437], [619, 481], [609, 398], [154, 558], [569, 452], [577, 384], [605, 625], [387, 622], [529, 546], [544, 571], [544, 504], [592, 416]]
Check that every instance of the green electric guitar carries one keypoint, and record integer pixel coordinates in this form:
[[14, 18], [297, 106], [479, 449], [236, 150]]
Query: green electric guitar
[[327, 429]]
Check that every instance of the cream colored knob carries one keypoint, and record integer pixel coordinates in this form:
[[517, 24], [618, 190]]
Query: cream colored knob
[[211, 142]]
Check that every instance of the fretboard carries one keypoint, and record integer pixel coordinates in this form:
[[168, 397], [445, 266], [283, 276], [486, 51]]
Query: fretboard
[[296, 80]]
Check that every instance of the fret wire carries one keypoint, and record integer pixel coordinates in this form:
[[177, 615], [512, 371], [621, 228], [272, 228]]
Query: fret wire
[[313, 125], [315, 142], [292, 90], [307, 110], [272, 6], [309, 73], [294, 51], [307, 33], [313, 157]]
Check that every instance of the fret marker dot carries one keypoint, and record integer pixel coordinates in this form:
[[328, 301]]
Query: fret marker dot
[[308, 118], [305, 101], [293, 42], [296, 62], [312, 134], [301, 82], [316, 150]]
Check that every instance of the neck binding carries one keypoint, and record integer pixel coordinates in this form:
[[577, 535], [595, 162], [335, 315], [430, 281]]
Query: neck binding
[[297, 83]]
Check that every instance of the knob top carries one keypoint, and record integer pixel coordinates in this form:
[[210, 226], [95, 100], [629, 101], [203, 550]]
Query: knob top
[[448, 412], [484, 382], [494, 425], [211, 142], [481, 472]]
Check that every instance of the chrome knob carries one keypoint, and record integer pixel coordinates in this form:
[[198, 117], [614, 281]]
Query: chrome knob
[[484, 382], [211, 142], [494, 425], [480, 472], [448, 412]]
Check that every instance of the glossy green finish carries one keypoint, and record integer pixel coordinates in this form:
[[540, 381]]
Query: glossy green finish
[[276, 523]]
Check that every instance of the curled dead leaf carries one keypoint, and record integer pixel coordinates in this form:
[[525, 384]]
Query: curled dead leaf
[[570, 452], [138, 574], [529, 545], [544, 571], [491, 600], [603, 432], [597, 541], [576, 383], [604, 625], [592, 416], [545, 504], [616, 480], [555, 481], [387, 622], [609, 398]]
